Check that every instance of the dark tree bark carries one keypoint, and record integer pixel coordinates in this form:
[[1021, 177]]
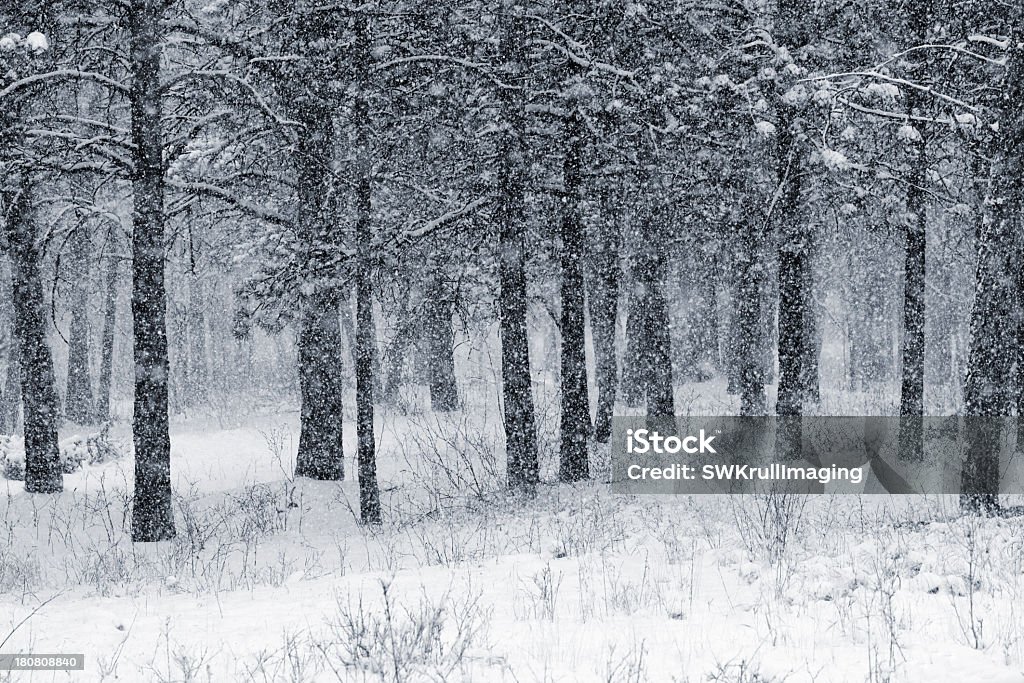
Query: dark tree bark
[[78, 403], [43, 472], [1020, 356], [912, 379], [912, 384], [730, 332], [810, 376], [107, 350], [989, 364], [653, 357], [795, 239], [994, 316], [439, 336], [794, 245], [152, 515], [603, 300], [369, 492], [575, 424], [749, 344], [320, 454], [523, 468], [912, 373]]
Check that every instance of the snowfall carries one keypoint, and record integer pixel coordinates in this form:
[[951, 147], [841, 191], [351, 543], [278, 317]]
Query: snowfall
[[271, 578]]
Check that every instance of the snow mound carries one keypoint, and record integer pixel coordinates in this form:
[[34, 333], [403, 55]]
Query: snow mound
[[37, 42]]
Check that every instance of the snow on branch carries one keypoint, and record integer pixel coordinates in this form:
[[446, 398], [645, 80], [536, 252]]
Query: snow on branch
[[486, 69], [897, 81], [63, 73], [218, 192], [572, 47], [445, 219], [243, 84]]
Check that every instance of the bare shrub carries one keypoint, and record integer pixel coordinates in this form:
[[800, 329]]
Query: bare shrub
[[431, 637]]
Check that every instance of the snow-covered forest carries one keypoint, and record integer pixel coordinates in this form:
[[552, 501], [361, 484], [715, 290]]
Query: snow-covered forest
[[316, 318]]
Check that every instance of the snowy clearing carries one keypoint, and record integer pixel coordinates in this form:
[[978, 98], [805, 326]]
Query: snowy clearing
[[272, 578]]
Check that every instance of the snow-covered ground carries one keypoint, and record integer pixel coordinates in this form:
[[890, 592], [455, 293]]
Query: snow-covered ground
[[271, 579]]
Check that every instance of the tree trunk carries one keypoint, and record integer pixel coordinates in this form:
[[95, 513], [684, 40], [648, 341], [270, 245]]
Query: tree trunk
[[604, 301], [997, 303], [10, 407], [152, 515], [320, 454], [369, 492], [523, 467], [440, 345], [912, 379], [993, 332], [10, 393], [652, 356], [43, 472], [109, 327], [809, 373], [794, 237], [793, 278], [749, 345], [575, 423], [700, 327], [78, 403], [633, 382]]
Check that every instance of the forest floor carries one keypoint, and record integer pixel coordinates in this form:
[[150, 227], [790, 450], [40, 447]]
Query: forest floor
[[272, 579]]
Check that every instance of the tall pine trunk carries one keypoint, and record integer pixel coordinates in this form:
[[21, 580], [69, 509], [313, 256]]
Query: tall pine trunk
[[575, 423], [369, 492], [912, 373], [795, 339], [793, 264], [320, 454], [603, 299], [43, 472], [152, 515], [748, 347], [912, 361], [651, 357], [997, 303], [523, 467], [78, 403], [987, 398], [107, 346]]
